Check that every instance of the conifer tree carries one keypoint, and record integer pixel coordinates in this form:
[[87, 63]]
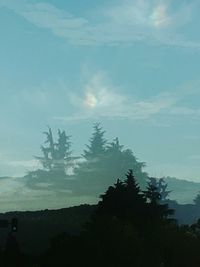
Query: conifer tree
[[120, 160], [89, 173], [103, 162], [162, 188], [134, 194], [197, 200], [152, 193], [56, 155], [56, 160], [96, 148], [124, 199], [157, 210]]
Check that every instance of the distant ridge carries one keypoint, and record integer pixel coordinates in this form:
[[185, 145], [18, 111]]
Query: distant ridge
[[183, 191]]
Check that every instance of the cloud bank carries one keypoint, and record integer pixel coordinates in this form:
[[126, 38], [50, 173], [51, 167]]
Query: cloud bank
[[125, 22]]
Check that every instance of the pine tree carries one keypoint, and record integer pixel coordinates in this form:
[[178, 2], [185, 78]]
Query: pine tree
[[48, 151], [197, 200], [124, 199], [63, 159], [56, 161], [56, 155], [96, 148], [120, 160], [103, 162], [89, 173], [162, 188], [152, 193], [157, 210]]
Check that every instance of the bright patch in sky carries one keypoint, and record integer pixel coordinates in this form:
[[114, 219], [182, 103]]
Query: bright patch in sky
[[160, 17], [90, 100]]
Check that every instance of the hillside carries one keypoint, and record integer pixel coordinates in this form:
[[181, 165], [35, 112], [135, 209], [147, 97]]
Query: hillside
[[182, 191], [36, 228]]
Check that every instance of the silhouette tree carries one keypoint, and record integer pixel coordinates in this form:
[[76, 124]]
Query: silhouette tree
[[152, 193], [157, 210], [158, 188], [124, 200], [162, 189], [56, 155], [197, 200], [96, 148], [56, 161], [89, 173], [122, 160], [103, 162]]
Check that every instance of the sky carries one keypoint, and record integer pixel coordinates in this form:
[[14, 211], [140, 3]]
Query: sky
[[131, 65]]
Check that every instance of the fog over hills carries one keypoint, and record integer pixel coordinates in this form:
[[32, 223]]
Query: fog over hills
[[14, 195]]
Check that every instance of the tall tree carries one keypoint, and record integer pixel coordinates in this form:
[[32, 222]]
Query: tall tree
[[152, 193], [120, 160], [96, 148], [124, 199], [162, 188], [157, 210], [103, 162], [56, 161], [56, 155], [89, 172], [63, 158], [197, 200]]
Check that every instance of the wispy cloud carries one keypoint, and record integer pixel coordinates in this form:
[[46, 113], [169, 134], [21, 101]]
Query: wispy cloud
[[140, 13], [123, 23], [100, 99], [29, 164]]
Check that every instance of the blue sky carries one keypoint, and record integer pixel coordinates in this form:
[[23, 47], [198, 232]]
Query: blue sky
[[131, 65]]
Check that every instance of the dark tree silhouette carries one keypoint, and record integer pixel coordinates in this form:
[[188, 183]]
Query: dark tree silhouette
[[56, 155], [97, 145], [197, 200], [157, 209], [103, 162], [124, 201], [90, 172], [152, 193], [119, 160], [162, 188], [56, 161]]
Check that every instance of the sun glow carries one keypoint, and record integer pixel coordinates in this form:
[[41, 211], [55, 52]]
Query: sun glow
[[90, 100], [160, 17]]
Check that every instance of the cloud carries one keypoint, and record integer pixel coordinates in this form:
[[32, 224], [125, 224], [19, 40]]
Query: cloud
[[30, 164], [125, 22], [11, 166], [140, 13], [101, 99], [160, 17]]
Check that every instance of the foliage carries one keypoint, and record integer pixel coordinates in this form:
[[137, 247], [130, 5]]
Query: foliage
[[123, 230], [96, 148], [197, 200], [157, 209], [103, 162], [56, 155], [56, 161]]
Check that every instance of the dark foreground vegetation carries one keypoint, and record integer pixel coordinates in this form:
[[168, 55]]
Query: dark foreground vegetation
[[128, 227], [134, 223]]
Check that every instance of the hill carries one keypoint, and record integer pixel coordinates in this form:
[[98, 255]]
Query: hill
[[183, 191], [36, 228]]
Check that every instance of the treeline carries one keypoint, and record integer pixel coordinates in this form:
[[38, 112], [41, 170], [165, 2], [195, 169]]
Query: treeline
[[101, 162], [130, 227], [88, 174]]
